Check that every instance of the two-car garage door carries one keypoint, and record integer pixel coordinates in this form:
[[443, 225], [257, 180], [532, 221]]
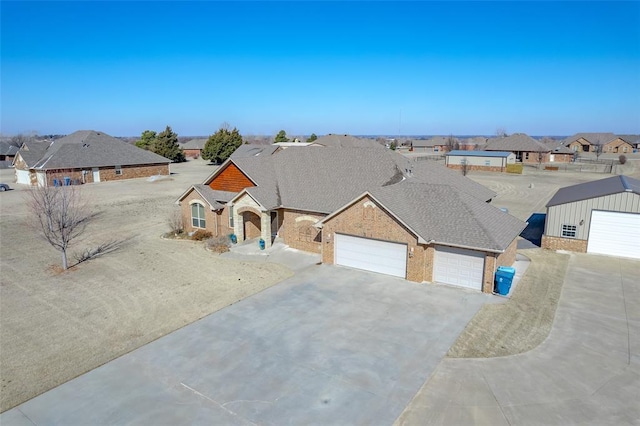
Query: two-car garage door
[[371, 255], [614, 234]]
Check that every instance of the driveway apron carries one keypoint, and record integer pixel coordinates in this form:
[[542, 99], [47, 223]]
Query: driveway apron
[[329, 346]]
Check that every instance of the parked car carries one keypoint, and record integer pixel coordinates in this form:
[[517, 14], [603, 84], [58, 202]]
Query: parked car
[[4, 187]]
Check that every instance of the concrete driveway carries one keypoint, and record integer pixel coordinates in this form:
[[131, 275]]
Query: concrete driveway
[[587, 372], [328, 346]]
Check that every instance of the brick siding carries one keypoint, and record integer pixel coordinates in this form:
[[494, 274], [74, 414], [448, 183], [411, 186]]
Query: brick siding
[[108, 173], [297, 230], [559, 243], [376, 223]]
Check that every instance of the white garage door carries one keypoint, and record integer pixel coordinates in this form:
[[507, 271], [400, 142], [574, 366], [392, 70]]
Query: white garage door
[[22, 176], [615, 234], [459, 267], [371, 255]]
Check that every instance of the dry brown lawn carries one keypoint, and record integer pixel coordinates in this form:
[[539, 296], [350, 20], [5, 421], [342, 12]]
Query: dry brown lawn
[[525, 320], [57, 325]]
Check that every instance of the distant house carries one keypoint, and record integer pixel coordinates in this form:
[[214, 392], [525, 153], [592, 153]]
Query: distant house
[[7, 153], [601, 217], [83, 157], [436, 145], [493, 161], [477, 143], [558, 152], [586, 142], [617, 146], [527, 149], [253, 150], [365, 208], [194, 147]]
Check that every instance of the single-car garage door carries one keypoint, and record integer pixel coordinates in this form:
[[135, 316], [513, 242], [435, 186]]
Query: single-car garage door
[[615, 234], [371, 255], [23, 176], [459, 267]]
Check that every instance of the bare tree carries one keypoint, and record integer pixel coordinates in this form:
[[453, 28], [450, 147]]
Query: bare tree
[[19, 140], [501, 132], [452, 143], [597, 149], [464, 166], [61, 214], [540, 157]]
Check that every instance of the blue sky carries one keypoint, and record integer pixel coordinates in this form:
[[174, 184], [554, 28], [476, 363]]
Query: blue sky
[[543, 68]]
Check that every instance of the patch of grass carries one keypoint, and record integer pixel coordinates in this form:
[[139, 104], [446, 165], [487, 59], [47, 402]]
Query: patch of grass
[[525, 320]]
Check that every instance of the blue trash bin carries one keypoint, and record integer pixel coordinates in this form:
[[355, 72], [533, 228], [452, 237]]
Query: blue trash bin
[[67, 181], [261, 243], [56, 182], [234, 239], [504, 278]]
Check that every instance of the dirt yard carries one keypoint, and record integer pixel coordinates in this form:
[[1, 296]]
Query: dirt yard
[[57, 325]]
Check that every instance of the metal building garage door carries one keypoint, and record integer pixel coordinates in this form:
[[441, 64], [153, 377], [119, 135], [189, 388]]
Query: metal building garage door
[[615, 234], [460, 267], [371, 255]]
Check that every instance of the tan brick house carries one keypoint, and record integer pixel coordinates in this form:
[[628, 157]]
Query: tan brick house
[[367, 208], [85, 156], [528, 150]]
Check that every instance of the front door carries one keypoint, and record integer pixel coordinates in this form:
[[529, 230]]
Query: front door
[[274, 225], [96, 174]]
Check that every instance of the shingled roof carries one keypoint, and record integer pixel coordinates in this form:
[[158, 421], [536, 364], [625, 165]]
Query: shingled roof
[[516, 142], [343, 141], [594, 189], [439, 215], [86, 149], [593, 138]]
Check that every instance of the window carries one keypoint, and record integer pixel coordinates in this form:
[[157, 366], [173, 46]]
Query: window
[[569, 231], [118, 170], [230, 216], [197, 215], [487, 162], [526, 155]]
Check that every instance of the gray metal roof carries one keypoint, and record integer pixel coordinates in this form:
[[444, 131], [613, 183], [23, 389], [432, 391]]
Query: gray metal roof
[[88, 148], [444, 216], [516, 142], [594, 189], [463, 153]]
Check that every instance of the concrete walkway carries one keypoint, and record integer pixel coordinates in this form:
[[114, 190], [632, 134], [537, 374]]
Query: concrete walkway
[[330, 346], [587, 372]]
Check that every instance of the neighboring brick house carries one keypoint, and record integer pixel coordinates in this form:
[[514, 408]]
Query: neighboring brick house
[[526, 149], [436, 144], [601, 217], [7, 151], [368, 208], [587, 142], [193, 148], [492, 161], [83, 157], [617, 146]]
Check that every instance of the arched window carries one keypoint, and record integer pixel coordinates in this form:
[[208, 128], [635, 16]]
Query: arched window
[[197, 215]]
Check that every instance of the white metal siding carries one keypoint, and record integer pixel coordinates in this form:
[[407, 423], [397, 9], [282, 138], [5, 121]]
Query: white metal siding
[[460, 267], [615, 234], [371, 255]]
